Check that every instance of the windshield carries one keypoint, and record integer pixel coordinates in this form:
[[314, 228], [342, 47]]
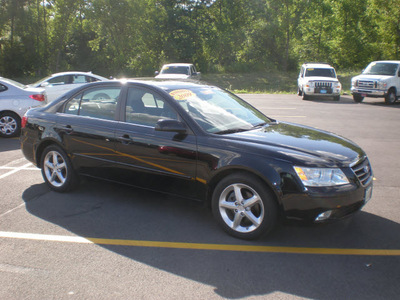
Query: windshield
[[218, 111], [175, 70], [381, 69], [315, 72]]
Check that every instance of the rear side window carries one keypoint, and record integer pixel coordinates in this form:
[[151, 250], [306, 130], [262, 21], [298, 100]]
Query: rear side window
[[96, 103], [3, 88]]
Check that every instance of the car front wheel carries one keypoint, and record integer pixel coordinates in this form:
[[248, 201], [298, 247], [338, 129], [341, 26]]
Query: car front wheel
[[244, 206], [10, 124], [57, 169], [390, 97], [358, 98]]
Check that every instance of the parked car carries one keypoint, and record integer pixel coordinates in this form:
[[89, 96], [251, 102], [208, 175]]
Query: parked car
[[381, 79], [318, 79], [15, 100], [199, 142], [59, 83], [178, 71]]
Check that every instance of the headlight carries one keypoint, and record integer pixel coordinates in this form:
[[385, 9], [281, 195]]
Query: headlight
[[310, 84], [382, 84], [354, 82], [321, 176], [337, 85]]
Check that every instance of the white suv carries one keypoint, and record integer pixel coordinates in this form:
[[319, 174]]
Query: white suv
[[381, 79], [318, 79]]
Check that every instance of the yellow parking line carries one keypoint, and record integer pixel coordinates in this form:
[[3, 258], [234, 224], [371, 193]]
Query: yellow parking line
[[199, 246]]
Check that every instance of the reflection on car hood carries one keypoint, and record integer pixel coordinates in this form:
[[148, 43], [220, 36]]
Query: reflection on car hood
[[302, 144], [372, 77], [173, 76], [319, 78]]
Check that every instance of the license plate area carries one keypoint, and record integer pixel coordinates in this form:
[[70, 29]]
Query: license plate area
[[368, 194]]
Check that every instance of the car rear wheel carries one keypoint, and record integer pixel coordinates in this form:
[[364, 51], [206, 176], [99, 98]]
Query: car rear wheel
[[57, 169], [244, 206], [10, 124], [390, 98]]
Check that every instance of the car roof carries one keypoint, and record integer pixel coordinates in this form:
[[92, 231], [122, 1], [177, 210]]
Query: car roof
[[74, 72], [178, 64], [318, 65], [387, 61]]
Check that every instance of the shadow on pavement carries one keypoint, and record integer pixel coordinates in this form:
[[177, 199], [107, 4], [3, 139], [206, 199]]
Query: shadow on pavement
[[9, 144], [108, 211]]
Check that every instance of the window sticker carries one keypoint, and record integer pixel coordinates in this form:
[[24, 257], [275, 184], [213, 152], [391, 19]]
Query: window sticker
[[182, 94]]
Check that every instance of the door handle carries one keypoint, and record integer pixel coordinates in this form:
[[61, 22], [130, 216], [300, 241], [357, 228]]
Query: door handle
[[67, 128], [125, 139]]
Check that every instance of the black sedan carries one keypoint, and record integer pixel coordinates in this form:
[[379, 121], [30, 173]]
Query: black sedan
[[200, 142]]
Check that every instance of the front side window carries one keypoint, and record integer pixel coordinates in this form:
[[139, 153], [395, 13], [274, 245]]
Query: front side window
[[58, 80], [218, 111], [144, 107], [96, 103]]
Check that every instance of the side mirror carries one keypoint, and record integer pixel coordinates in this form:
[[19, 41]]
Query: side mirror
[[44, 84], [170, 125]]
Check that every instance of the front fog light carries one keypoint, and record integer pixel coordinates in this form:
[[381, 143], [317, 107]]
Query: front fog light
[[323, 216]]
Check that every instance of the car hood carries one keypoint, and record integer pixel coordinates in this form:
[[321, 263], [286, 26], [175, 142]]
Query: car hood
[[319, 78], [372, 77], [172, 76], [300, 145]]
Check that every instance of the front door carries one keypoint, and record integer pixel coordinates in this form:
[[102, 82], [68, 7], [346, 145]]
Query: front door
[[164, 161]]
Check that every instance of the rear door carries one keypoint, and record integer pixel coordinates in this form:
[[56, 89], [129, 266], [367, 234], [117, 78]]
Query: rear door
[[87, 125]]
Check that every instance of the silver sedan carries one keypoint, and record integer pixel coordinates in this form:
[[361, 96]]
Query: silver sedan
[[15, 100]]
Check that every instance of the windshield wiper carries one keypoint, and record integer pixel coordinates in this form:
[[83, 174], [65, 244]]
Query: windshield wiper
[[234, 130]]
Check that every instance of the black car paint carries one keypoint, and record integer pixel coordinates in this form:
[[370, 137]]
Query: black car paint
[[191, 164]]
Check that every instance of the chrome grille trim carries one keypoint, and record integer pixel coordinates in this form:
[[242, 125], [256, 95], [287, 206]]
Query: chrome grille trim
[[362, 169], [369, 84], [323, 84]]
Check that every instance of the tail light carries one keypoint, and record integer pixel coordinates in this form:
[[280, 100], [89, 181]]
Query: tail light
[[38, 97], [24, 121]]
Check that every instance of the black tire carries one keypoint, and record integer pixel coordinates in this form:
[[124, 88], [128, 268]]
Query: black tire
[[57, 169], [358, 98], [262, 208], [305, 96], [10, 124], [336, 98], [299, 92], [391, 98]]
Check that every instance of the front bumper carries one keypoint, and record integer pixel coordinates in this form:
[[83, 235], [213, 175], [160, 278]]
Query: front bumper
[[336, 202], [321, 91], [368, 92]]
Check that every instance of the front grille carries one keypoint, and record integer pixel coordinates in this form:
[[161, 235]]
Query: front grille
[[367, 84], [323, 83], [363, 171]]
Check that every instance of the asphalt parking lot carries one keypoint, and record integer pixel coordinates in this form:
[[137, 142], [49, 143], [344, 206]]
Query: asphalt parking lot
[[105, 241]]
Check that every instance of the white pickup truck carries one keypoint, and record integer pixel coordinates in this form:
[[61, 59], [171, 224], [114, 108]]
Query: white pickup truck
[[381, 79]]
